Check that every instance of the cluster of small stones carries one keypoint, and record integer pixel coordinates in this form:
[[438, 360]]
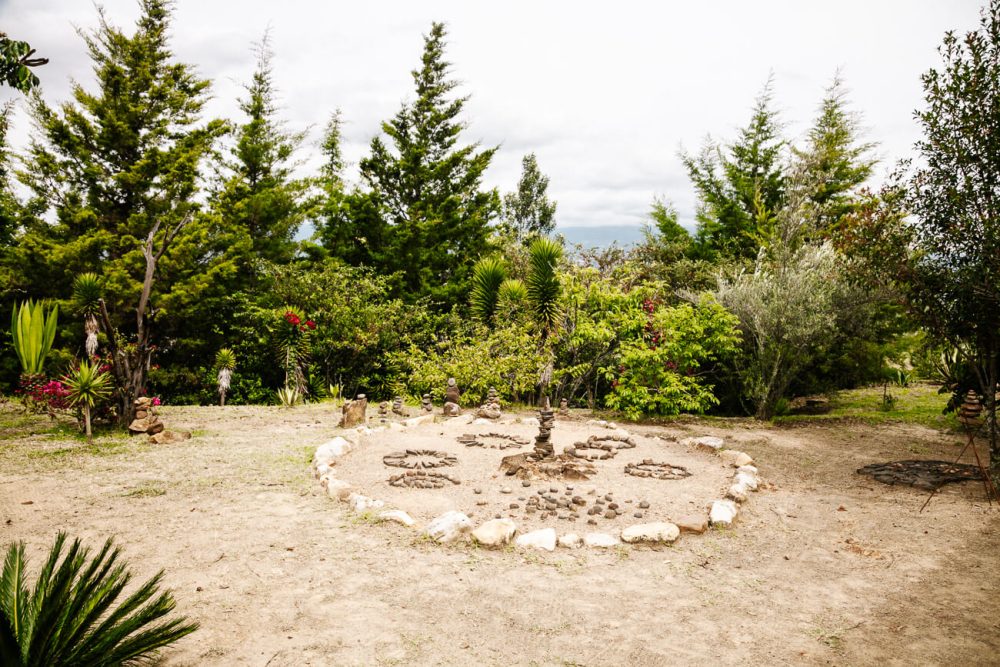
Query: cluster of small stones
[[503, 441], [648, 468], [419, 479], [148, 422], [563, 407], [455, 526], [425, 403], [543, 441], [592, 451], [491, 408], [419, 458], [451, 407], [567, 505], [397, 406]]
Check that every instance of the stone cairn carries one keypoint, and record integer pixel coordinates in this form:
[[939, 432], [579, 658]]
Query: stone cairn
[[491, 408], [451, 399], [563, 407], [971, 409], [543, 441], [355, 412], [397, 406], [383, 408], [425, 403], [145, 420]]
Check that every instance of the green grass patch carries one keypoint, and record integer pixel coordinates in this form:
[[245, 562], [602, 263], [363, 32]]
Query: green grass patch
[[917, 404]]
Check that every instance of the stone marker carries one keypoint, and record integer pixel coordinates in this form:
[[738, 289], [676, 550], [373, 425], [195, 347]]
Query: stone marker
[[544, 538], [692, 523], [355, 412], [145, 420], [723, 513], [425, 403], [651, 532], [495, 533], [449, 527]]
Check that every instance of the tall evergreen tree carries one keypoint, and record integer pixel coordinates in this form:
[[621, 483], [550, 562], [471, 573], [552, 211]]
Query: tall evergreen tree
[[740, 186], [835, 162], [258, 195], [432, 217], [528, 211], [9, 206], [118, 169]]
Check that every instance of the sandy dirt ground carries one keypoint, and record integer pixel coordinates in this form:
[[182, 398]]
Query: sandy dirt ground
[[824, 566]]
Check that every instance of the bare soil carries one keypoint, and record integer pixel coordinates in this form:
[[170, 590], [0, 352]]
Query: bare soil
[[824, 566]]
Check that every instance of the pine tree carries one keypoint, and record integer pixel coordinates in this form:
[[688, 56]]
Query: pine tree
[[740, 186], [834, 162], [258, 195], [431, 217], [527, 211], [9, 206], [118, 168]]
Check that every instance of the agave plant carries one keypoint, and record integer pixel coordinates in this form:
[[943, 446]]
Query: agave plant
[[70, 617], [86, 386], [33, 331], [289, 397], [488, 275], [87, 297], [225, 362]]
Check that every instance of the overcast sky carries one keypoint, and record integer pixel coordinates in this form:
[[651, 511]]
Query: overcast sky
[[605, 94]]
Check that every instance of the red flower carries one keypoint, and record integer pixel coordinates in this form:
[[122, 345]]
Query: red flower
[[310, 324]]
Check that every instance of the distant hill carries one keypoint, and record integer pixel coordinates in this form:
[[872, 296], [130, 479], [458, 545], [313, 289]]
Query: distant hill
[[601, 236]]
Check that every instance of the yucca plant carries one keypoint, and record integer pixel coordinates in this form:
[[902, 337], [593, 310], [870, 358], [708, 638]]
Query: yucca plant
[[488, 275], [74, 615], [543, 286], [33, 332], [87, 298], [87, 385], [225, 363]]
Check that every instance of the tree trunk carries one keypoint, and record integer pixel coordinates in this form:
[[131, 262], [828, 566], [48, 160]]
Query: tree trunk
[[86, 422]]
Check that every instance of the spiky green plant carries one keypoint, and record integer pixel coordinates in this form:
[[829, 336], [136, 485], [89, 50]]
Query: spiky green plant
[[33, 332], [225, 363], [87, 385], [487, 276], [73, 615], [87, 299], [542, 285], [289, 397]]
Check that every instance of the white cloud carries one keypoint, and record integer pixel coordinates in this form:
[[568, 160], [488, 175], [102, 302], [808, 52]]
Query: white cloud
[[604, 97]]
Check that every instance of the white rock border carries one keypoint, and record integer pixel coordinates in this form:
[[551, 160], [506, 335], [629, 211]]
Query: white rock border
[[455, 526]]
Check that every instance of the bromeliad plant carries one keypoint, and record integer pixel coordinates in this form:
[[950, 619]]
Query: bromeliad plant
[[74, 614], [293, 338], [86, 385]]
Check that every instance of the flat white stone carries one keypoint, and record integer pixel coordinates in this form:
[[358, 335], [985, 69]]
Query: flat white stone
[[330, 450], [360, 503], [748, 469], [706, 442], [735, 458], [723, 513], [748, 480], [495, 533], [738, 492], [600, 540], [338, 489], [530, 421], [481, 422], [570, 541], [544, 538], [323, 469], [398, 516], [417, 421], [449, 527], [651, 532]]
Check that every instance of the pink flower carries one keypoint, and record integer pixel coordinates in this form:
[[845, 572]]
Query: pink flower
[[156, 400]]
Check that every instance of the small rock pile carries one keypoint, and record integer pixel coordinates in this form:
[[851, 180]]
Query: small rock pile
[[563, 407], [145, 420], [491, 408], [543, 441], [451, 399], [397, 406], [425, 403]]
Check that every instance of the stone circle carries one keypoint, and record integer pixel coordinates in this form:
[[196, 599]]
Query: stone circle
[[656, 470], [493, 440], [419, 479]]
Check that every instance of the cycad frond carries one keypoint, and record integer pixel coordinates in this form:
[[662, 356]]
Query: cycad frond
[[487, 276]]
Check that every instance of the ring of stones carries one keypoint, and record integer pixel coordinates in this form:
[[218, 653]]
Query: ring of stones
[[505, 441], [656, 470], [616, 440], [420, 458], [592, 451], [418, 479]]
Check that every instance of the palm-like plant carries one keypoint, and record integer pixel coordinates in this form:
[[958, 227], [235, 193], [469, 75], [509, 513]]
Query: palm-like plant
[[543, 286], [87, 385], [33, 332], [87, 297], [488, 275], [225, 362], [289, 397], [71, 617]]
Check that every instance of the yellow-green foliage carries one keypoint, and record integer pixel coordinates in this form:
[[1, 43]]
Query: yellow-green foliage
[[33, 332]]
